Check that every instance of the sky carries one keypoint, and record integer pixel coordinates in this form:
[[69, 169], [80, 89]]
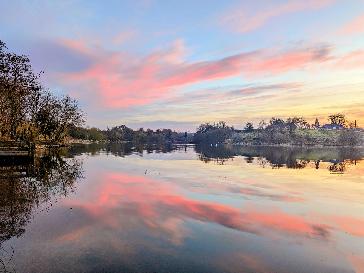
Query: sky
[[176, 64]]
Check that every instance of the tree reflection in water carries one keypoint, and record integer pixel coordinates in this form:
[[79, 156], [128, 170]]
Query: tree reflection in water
[[218, 154], [25, 184], [122, 149], [337, 159], [30, 183], [341, 166]]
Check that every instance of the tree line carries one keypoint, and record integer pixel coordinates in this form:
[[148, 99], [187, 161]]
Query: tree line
[[123, 133], [28, 111], [293, 130], [277, 131]]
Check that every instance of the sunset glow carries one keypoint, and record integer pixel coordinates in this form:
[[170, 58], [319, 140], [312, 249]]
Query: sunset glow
[[157, 64]]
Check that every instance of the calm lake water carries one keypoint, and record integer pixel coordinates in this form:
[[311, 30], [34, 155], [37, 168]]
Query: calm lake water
[[119, 208]]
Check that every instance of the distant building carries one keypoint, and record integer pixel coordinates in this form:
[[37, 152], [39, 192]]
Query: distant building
[[332, 127]]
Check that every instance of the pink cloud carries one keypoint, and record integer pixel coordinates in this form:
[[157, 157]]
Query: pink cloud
[[243, 20], [121, 80], [354, 59], [124, 202], [353, 226], [158, 209], [287, 61], [356, 26]]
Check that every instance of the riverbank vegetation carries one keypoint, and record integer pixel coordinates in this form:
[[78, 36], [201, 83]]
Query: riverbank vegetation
[[292, 131], [28, 111], [123, 133]]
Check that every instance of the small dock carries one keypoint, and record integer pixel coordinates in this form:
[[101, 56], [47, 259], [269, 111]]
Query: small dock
[[16, 159], [15, 148], [14, 153]]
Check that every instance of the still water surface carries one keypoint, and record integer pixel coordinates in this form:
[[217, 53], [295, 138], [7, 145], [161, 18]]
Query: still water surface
[[118, 208]]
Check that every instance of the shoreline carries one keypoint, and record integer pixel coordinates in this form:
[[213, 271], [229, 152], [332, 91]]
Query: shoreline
[[293, 145], [15, 150]]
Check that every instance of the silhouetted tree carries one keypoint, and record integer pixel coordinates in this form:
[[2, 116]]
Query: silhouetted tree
[[262, 125], [213, 133], [338, 119], [249, 127], [316, 125], [297, 122]]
